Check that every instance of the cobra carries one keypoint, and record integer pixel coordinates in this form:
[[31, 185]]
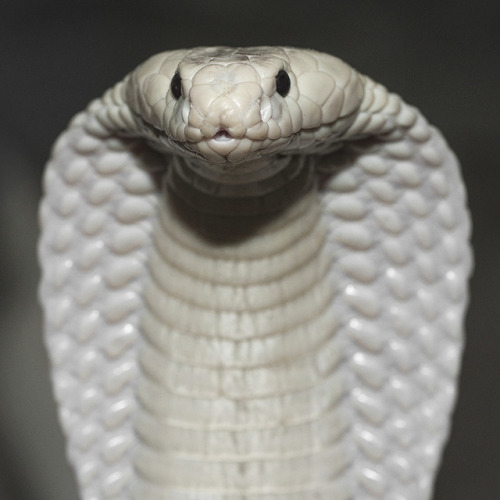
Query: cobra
[[255, 267]]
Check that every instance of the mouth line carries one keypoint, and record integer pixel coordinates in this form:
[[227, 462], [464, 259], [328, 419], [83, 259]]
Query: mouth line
[[222, 135]]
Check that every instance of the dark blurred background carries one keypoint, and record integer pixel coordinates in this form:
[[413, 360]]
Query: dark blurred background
[[55, 56]]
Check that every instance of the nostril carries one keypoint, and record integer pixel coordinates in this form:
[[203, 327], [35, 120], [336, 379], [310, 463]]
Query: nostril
[[222, 135]]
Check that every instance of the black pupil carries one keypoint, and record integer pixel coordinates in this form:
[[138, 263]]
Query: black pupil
[[282, 83], [175, 85]]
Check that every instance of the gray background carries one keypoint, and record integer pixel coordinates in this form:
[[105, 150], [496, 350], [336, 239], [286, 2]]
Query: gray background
[[55, 56]]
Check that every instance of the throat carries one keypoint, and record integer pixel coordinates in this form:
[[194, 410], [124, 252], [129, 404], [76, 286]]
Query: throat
[[234, 204]]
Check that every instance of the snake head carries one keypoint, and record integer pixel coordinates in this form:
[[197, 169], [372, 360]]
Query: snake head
[[231, 106]]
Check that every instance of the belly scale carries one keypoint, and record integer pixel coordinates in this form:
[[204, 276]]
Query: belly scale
[[239, 390]]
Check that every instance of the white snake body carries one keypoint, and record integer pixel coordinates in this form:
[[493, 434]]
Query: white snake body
[[254, 278]]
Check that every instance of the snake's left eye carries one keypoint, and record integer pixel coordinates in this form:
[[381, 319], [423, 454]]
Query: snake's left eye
[[176, 85], [282, 83]]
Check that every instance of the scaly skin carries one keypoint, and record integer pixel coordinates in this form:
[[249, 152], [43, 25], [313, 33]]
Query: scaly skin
[[253, 291]]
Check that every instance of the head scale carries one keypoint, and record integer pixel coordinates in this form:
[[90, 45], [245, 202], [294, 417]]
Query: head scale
[[228, 105]]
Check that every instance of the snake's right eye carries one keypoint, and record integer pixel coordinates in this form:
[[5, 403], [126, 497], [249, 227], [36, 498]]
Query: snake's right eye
[[282, 83], [176, 85]]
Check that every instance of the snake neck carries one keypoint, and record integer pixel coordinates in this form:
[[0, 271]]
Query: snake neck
[[238, 388], [235, 205]]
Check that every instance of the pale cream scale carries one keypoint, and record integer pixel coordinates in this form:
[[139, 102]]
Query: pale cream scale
[[255, 268]]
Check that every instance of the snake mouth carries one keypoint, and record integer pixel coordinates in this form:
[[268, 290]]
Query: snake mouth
[[222, 135]]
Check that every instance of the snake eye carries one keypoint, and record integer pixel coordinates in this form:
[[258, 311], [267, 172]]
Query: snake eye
[[176, 86], [282, 83]]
